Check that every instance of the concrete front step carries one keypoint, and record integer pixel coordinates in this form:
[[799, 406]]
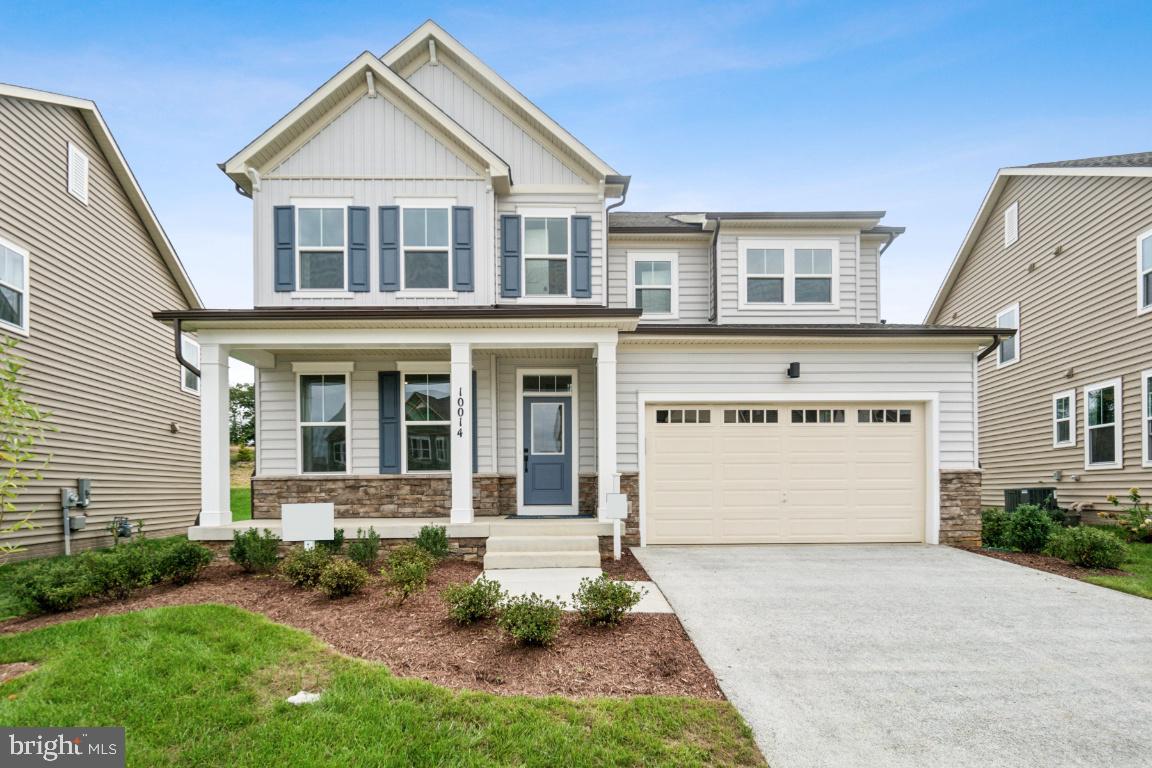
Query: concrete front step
[[521, 527], [541, 559], [543, 544]]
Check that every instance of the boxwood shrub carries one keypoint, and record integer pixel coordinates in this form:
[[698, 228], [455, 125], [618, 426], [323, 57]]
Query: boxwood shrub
[[254, 550], [994, 528], [469, 603], [303, 567], [433, 539], [1029, 528], [342, 578], [531, 619], [605, 601], [53, 586], [1088, 547]]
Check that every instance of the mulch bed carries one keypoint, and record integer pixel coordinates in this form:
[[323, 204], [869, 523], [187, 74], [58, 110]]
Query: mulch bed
[[649, 654], [627, 568], [1047, 563]]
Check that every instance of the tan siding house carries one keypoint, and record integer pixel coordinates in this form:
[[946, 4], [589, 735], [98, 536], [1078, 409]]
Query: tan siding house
[[95, 265], [1061, 249]]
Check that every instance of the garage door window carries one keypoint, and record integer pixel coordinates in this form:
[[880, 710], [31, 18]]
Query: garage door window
[[818, 416], [683, 416], [751, 416], [884, 416]]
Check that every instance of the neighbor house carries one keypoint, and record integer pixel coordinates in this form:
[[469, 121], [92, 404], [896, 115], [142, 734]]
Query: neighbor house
[[450, 322], [83, 265], [1062, 252]]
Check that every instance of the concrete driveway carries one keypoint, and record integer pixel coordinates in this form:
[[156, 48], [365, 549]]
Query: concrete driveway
[[910, 655]]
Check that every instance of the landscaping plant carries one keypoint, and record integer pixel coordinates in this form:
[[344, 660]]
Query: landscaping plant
[[531, 619], [117, 572], [342, 578], [365, 549], [468, 603], [994, 528], [602, 600], [182, 561], [333, 545], [24, 427], [1029, 528], [303, 567], [53, 586], [408, 568], [1135, 518], [1088, 547], [433, 539], [253, 550]]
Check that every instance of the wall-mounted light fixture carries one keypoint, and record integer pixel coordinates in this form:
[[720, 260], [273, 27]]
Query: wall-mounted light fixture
[[793, 370]]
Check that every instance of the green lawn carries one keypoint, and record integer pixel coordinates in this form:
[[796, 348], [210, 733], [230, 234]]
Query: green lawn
[[241, 503], [1139, 564], [204, 685]]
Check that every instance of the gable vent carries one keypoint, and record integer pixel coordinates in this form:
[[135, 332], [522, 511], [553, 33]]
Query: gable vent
[[77, 173]]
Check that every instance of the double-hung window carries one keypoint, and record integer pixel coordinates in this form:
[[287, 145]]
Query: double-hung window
[[320, 239], [765, 275], [1102, 429], [426, 238], [546, 255], [1146, 415], [1009, 350], [1064, 419], [427, 422], [1144, 270], [813, 275], [13, 288], [652, 284], [788, 273], [190, 382], [323, 422]]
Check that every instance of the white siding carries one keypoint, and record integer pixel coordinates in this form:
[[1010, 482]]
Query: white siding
[[692, 260], [868, 286]]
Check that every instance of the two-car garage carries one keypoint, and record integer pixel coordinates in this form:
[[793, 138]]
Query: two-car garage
[[749, 472]]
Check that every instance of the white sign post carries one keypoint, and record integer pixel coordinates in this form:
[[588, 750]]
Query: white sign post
[[308, 523], [616, 510]]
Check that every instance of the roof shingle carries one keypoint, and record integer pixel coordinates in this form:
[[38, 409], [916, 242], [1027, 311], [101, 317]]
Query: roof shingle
[[1133, 160]]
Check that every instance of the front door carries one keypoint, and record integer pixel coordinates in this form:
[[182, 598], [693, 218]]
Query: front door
[[548, 453]]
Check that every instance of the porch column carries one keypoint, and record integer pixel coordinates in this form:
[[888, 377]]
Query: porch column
[[461, 382], [605, 424], [215, 507]]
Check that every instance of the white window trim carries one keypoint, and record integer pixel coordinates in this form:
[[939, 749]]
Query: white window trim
[[574, 434], [1141, 308], [1145, 417], [184, 372], [407, 369], [789, 245], [669, 256], [1118, 424], [325, 369], [996, 324], [75, 152], [545, 213], [320, 202], [446, 203], [1070, 394], [24, 328], [1012, 213]]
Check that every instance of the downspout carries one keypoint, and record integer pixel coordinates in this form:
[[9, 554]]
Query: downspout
[[179, 346], [712, 270], [990, 348]]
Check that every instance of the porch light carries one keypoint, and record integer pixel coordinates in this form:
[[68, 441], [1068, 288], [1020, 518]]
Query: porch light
[[793, 370]]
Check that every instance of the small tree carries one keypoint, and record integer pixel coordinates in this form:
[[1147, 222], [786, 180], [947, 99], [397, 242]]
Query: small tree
[[22, 428], [242, 413]]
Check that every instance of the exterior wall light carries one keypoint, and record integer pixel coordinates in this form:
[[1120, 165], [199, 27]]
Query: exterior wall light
[[793, 370]]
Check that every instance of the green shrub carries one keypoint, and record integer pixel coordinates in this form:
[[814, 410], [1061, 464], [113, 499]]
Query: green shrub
[[117, 572], [1029, 528], [53, 586], [303, 567], [254, 550], [406, 553], [243, 453], [1135, 518], [365, 549], [182, 561], [605, 601], [433, 539], [333, 545], [531, 619], [341, 578], [994, 528], [1088, 547], [468, 603]]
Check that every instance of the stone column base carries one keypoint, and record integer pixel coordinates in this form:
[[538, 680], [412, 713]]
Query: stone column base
[[960, 507]]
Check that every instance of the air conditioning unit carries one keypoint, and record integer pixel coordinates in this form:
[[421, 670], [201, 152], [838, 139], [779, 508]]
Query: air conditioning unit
[[1041, 497]]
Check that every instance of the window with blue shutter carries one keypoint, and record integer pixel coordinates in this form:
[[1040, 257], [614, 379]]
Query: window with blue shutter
[[510, 256], [284, 243], [462, 249], [358, 279], [390, 248], [581, 257]]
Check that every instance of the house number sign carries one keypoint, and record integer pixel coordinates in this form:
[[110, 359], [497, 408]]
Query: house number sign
[[460, 413]]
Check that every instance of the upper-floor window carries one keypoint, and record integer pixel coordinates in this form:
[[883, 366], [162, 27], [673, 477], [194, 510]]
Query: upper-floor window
[[653, 284], [765, 275], [13, 288], [426, 236], [1011, 224], [546, 255], [1102, 436], [77, 173], [190, 382], [1144, 269], [783, 272], [1009, 350], [320, 239], [1064, 419], [813, 275]]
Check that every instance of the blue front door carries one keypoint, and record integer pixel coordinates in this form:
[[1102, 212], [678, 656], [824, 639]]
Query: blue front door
[[548, 450]]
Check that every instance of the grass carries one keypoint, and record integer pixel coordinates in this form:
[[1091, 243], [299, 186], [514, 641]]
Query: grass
[[1139, 565], [204, 685], [241, 503]]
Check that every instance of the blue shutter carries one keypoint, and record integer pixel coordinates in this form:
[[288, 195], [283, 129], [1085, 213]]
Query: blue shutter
[[358, 279], [284, 242], [509, 256], [581, 257], [475, 423], [389, 248], [389, 422], [462, 250]]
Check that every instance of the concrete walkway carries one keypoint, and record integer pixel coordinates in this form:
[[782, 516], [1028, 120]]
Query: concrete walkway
[[910, 655], [560, 583]]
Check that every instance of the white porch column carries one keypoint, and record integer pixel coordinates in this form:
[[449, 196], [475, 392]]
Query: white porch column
[[461, 435], [606, 480], [215, 505]]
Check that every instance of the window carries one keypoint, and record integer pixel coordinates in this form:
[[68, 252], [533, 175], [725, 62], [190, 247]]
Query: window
[[818, 416], [1146, 415], [884, 416], [77, 173], [1064, 419], [546, 255], [1011, 224], [13, 288], [1144, 270], [547, 429], [323, 423], [320, 239], [426, 237], [1009, 349], [653, 284], [751, 416], [427, 425], [1102, 438], [190, 382], [547, 383], [788, 272], [683, 416]]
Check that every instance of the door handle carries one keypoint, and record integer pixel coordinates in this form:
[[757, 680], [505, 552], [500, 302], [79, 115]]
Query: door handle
[[525, 459]]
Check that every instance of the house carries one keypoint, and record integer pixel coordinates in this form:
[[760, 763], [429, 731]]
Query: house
[[452, 321], [83, 264], [1062, 252]]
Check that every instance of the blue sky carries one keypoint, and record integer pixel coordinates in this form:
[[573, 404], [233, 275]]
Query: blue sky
[[901, 106]]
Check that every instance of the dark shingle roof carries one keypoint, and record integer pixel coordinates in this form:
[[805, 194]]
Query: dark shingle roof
[[628, 221], [1134, 160], [640, 222]]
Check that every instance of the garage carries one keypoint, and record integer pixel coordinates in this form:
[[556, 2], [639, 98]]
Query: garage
[[747, 473]]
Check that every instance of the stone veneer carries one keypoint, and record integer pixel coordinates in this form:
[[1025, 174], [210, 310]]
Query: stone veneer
[[465, 548], [960, 507]]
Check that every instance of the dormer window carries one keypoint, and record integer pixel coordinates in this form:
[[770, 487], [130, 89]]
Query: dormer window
[[546, 255], [322, 264], [426, 237]]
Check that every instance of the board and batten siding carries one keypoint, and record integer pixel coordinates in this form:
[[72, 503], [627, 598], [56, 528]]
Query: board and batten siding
[[96, 360], [692, 279], [718, 369], [1073, 272]]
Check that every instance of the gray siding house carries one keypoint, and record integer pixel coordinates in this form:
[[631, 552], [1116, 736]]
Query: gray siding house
[[452, 322], [83, 264], [1062, 252]]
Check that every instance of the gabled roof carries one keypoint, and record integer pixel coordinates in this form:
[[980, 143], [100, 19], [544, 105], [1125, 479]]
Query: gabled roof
[[107, 143], [363, 73], [411, 52], [1137, 164]]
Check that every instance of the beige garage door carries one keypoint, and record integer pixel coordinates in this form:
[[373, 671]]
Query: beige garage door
[[800, 473]]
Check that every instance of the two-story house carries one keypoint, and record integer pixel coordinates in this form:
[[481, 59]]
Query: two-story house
[[83, 265], [1062, 252], [451, 322]]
